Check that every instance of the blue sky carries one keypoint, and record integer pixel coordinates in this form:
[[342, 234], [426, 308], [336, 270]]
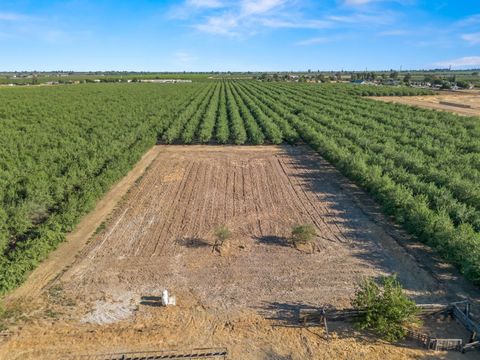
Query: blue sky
[[222, 35]]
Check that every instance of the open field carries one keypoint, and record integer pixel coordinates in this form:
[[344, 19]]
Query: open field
[[63, 147], [160, 237], [469, 98]]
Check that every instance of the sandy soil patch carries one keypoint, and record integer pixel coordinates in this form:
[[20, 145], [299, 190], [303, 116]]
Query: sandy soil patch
[[455, 100]]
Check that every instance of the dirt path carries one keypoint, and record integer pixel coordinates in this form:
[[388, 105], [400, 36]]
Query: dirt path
[[67, 251]]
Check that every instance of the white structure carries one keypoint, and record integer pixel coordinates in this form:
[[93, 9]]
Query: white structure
[[167, 299]]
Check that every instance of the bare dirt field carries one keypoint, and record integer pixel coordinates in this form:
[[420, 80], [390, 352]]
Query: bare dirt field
[[244, 297], [452, 101]]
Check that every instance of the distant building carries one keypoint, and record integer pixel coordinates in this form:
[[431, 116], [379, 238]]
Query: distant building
[[391, 82]]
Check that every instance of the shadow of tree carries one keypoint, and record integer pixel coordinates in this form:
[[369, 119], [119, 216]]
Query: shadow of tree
[[155, 301], [193, 243], [385, 246], [272, 355], [284, 314], [287, 314], [272, 240]]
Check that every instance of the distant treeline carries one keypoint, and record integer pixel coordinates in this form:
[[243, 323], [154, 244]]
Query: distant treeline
[[445, 77]]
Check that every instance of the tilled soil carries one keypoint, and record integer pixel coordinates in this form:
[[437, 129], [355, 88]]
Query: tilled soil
[[161, 237]]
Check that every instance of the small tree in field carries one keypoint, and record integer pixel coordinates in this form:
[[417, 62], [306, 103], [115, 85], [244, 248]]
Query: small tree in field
[[303, 234], [385, 308], [222, 233]]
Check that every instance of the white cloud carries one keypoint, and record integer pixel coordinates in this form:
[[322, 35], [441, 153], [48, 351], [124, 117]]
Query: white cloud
[[473, 38], [296, 24], [471, 20], [357, 2], [191, 8], [223, 25], [8, 16], [205, 3], [248, 17], [250, 7], [394, 33], [460, 62], [357, 18], [22, 26], [233, 25], [185, 57], [314, 41]]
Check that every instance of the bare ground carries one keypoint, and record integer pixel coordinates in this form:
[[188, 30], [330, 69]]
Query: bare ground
[[245, 297], [466, 97]]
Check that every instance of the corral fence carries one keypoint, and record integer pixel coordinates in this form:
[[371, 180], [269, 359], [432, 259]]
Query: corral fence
[[458, 310], [194, 354], [435, 343]]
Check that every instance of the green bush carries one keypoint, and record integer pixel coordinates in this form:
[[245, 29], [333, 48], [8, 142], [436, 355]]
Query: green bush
[[385, 308], [222, 234], [303, 234]]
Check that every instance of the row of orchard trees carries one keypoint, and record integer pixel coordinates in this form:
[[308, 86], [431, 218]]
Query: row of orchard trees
[[61, 148], [227, 112], [423, 166]]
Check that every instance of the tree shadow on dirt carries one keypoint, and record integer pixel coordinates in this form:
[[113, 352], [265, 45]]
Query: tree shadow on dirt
[[284, 314], [272, 240], [287, 315], [272, 355], [193, 243], [155, 301], [375, 239]]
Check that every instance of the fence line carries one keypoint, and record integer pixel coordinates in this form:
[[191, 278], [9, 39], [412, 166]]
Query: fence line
[[202, 353], [458, 310]]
